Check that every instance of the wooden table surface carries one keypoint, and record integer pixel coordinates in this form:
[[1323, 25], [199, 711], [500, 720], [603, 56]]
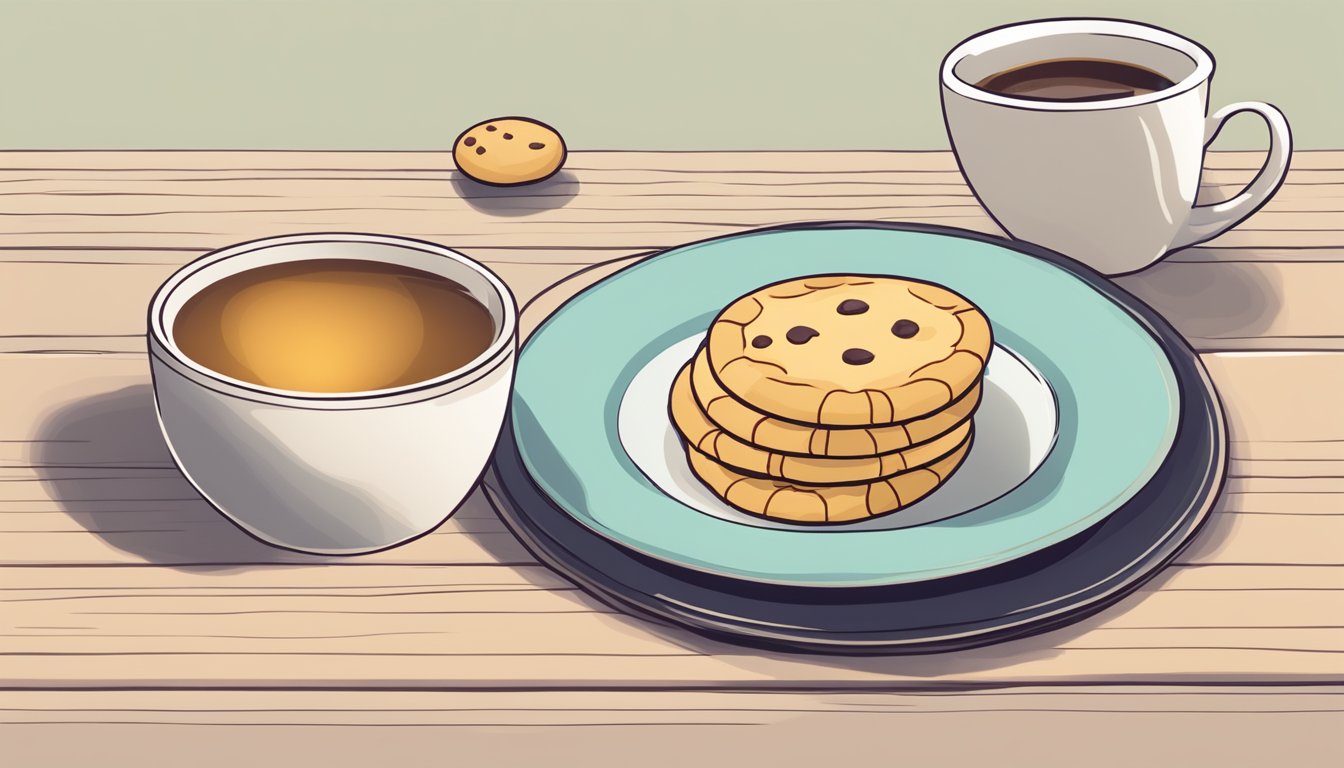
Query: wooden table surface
[[130, 611]]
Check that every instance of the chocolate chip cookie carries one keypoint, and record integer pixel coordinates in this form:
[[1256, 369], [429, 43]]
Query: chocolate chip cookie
[[823, 504], [772, 434], [849, 350], [697, 430], [509, 151]]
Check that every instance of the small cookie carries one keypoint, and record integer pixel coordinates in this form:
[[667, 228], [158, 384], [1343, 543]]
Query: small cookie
[[840, 350], [508, 151], [697, 430], [772, 434], [823, 504]]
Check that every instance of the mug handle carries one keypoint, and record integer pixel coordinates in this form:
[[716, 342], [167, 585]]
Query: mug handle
[[1208, 221]]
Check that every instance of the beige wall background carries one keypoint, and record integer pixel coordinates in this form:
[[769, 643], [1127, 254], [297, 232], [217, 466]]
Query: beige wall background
[[642, 74]]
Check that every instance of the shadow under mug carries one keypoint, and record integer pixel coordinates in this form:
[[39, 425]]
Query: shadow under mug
[[333, 473], [1110, 183]]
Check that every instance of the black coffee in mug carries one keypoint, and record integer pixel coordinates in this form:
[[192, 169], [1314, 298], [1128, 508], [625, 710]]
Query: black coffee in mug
[[1072, 133], [1075, 80]]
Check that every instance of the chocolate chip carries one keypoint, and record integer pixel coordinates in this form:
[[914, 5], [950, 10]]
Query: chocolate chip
[[857, 356], [536, 145], [508, 136], [904, 329], [480, 150], [852, 307], [801, 334], [491, 128], [761, 342], [470, 141]]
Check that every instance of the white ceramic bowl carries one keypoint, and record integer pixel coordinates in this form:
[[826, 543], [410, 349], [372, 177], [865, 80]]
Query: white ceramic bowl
[[341, 473]]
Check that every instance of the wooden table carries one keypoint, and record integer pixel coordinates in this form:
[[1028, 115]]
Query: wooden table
[[134, 621]]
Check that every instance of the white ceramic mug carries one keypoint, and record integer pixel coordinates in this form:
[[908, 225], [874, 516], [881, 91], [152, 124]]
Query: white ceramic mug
[[339, 473], [1111, 183]]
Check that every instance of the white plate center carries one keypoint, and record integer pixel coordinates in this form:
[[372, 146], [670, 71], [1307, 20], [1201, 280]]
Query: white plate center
[[1015, 429]]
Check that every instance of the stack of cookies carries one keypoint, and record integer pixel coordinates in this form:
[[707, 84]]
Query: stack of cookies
[[833, 398]]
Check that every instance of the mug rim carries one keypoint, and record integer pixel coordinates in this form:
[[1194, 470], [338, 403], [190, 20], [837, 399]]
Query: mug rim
[[165, 348], [997, 37]]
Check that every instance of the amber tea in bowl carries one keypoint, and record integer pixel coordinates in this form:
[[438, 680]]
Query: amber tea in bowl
[[333, 325]]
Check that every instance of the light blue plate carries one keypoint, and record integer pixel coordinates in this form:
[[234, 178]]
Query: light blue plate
[[1117, 405]]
